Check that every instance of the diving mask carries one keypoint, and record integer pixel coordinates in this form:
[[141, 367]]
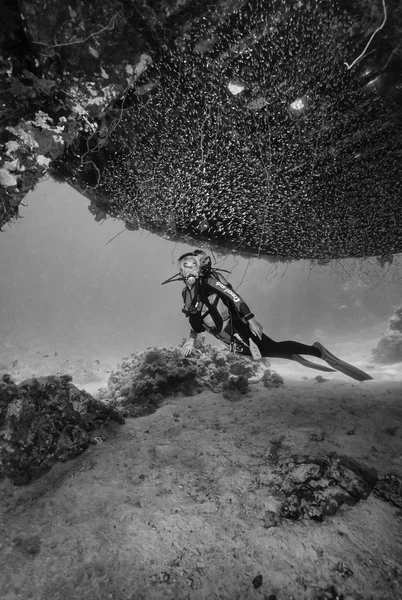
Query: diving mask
[[190, 266]]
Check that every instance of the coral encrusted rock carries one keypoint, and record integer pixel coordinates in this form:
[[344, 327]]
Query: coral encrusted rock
[[43, 421], [143, 379], [389, 348]]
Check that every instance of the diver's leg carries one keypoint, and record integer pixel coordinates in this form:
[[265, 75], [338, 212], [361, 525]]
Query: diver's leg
[[266, 347], [279, 349], [273, 349], [291, 350]]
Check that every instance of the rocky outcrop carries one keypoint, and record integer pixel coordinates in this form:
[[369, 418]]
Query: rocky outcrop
[[316, 487], [43, 421], [389, 347], [63, 65], [142, 380], [48, 419]]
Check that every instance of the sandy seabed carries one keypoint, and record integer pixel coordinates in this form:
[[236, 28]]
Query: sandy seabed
[[173, 505]]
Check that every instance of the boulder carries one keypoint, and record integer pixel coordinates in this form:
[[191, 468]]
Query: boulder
[[45, 420]]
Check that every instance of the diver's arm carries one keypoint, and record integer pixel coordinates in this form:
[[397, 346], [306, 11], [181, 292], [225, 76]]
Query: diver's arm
[[188, 345], [243, 309], [255, 327], [233, 297], [192, 337]]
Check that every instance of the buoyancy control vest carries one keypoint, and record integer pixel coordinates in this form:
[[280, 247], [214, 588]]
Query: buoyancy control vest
[[206, 308]]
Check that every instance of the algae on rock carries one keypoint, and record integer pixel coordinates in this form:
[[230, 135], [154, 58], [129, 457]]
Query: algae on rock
[[142, 380], [45, 420]]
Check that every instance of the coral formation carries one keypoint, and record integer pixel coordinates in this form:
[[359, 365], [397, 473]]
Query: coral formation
[[234, 389], [389, 348], [48, 419], [317, 486], [43, 421], [270, 379], [143, 379]]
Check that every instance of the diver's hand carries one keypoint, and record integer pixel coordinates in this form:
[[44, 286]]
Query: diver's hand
[[187, 347], [255, 327]]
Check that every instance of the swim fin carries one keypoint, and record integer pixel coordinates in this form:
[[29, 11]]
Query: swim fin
[[308, 363], [341, 365], [254, 349]]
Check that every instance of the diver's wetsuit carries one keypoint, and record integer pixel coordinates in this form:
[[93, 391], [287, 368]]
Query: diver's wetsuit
[[217, 302]]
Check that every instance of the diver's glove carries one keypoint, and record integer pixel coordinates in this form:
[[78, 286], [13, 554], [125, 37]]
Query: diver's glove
[[255, 327], [187, 347]]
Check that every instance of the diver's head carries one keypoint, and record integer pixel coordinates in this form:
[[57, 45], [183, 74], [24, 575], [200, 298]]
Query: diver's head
[[192, 266]]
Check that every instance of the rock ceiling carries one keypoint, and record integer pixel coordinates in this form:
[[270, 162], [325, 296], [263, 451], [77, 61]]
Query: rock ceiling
[[268, 127]]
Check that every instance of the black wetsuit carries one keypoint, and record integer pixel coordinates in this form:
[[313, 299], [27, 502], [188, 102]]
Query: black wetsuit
[[213, 306]]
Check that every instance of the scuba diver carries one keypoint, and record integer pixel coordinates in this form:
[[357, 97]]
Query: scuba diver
[[211, 305]]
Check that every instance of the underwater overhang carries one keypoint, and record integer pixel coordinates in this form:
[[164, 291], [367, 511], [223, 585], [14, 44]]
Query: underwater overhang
[[302, 162]]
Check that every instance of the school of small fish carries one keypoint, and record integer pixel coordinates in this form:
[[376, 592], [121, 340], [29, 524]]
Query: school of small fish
[[303, 161]]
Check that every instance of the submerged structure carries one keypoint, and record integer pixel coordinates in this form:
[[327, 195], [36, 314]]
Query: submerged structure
[[264, 126]]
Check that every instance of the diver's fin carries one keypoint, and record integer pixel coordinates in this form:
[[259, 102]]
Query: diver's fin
[[311, 365], [254, 349], [341, 365]]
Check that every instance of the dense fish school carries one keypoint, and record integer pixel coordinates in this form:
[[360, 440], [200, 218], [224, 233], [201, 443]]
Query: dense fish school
[[255, 132]]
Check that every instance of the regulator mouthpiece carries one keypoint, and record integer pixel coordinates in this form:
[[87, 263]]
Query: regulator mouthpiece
[[191, 280]]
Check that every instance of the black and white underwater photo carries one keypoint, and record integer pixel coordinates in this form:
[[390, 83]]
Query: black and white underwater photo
[[201, 300]]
